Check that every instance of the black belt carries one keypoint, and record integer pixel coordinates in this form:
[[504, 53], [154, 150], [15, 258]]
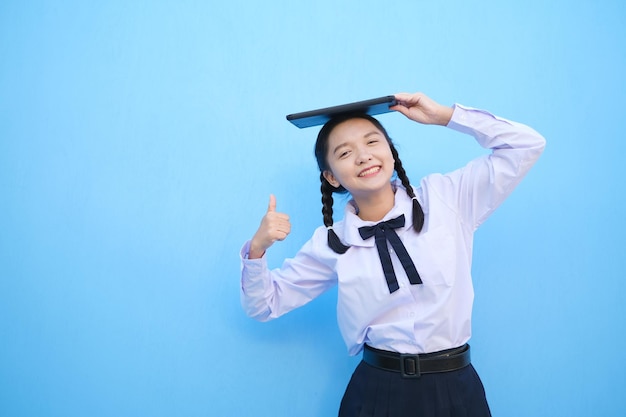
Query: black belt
[[413, 366]]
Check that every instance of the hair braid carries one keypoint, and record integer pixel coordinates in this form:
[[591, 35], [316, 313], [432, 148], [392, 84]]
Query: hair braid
[[418, 212], [327, 211]]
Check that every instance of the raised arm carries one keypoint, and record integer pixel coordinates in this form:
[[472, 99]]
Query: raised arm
[[267, 294]]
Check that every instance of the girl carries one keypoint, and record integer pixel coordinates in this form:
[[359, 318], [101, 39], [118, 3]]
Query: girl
[[401, 258]]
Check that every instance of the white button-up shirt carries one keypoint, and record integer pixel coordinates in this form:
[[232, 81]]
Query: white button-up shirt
[[424, 318]]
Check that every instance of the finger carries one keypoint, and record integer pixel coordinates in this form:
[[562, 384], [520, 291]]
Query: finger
[[400, 108], [407, 99], [272, 205], [402, 97], [282, 234], [282, 225]]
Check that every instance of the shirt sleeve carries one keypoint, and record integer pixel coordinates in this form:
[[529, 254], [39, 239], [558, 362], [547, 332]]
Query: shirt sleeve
[[267, 294], [481, 186]]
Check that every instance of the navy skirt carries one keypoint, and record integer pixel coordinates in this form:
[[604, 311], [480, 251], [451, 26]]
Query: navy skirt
[[375, 392]]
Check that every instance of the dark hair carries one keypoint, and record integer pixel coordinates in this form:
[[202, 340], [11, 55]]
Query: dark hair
[[321, 151]]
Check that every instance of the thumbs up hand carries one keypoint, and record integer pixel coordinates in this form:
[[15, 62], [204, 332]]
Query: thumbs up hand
[[274, 226]]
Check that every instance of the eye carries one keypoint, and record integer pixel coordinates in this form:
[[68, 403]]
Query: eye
[[343, 154]]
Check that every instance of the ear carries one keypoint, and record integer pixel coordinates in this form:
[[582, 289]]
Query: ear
[[331, 179]]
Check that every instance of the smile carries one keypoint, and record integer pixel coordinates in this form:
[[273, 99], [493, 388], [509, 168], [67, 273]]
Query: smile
[[369, 171]]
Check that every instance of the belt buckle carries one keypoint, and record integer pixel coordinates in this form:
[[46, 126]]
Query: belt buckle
[[410, 366]]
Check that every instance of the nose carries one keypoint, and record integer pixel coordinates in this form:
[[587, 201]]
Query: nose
[[363, 155]]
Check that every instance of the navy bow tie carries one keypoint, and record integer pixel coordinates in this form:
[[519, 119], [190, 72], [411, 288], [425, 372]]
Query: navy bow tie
[[383, 232]]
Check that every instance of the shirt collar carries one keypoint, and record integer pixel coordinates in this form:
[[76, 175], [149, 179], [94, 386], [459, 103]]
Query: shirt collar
[[352, 222]]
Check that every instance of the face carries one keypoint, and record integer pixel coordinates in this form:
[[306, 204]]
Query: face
[[359, 158]]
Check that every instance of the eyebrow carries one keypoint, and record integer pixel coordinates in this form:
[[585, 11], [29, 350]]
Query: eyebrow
[[368, 134]]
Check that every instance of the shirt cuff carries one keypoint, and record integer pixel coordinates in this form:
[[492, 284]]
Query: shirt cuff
[[251, 266]]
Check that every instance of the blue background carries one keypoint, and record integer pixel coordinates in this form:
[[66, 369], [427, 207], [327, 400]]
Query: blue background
[[139, 142]]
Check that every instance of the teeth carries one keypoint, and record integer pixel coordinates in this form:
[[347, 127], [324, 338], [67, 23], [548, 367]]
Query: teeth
[[369, 171]]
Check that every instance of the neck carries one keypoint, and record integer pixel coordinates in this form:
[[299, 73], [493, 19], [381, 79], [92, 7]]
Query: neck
[[374, 206]]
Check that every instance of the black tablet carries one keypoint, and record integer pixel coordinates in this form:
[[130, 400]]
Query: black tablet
[[319, 117]]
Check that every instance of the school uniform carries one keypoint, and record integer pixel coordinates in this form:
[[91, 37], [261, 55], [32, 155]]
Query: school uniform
[[386, 308]]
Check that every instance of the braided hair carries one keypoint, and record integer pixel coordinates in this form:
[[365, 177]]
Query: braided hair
[[321, 151]]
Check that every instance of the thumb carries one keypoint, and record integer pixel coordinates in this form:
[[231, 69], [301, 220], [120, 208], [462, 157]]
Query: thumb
[[400, 108], [272, 205]]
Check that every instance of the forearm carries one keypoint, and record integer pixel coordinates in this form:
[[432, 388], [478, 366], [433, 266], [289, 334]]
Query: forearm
[[493, 132], [255, 283], [268, 294], [485, 182]]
